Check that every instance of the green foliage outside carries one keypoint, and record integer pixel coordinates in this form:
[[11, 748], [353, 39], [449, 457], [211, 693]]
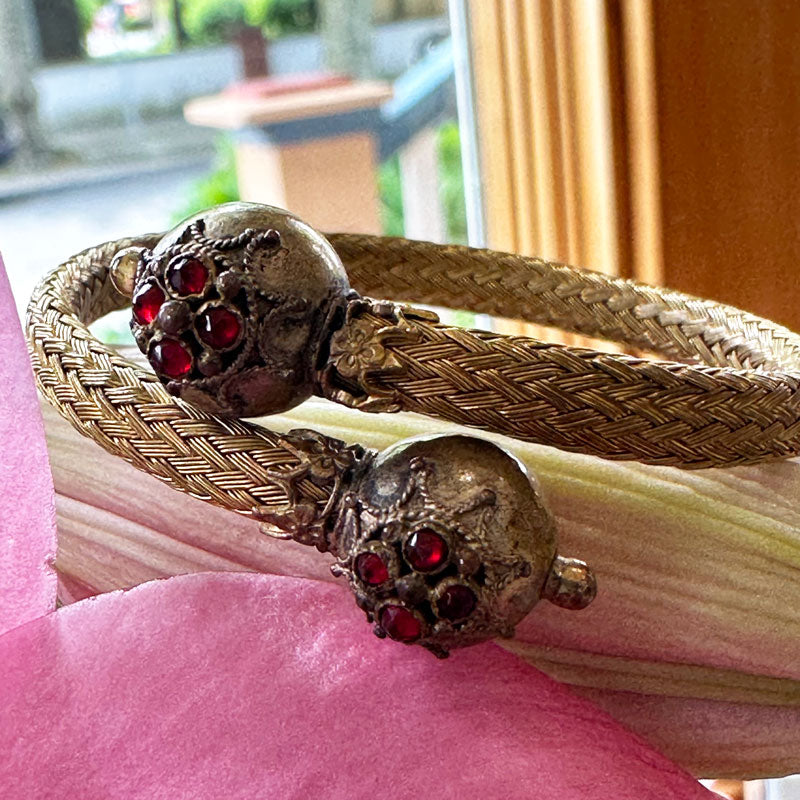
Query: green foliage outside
[[219, 186], [390, 194], [451, 188], [214, 21], [290, 16], [451, 183], [86, 10]]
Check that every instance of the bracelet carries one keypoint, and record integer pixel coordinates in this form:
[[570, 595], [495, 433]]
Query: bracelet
[[294, 327], [445, 540]]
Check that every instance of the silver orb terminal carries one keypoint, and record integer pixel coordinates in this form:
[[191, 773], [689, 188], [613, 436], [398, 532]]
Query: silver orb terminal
[[234, 306], [446, 542]]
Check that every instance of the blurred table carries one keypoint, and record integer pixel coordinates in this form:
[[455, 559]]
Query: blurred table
[[306, 143]]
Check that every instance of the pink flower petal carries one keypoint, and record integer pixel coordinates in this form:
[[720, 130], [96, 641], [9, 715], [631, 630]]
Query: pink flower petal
[[734, 651], [27, 514], [243, 686]]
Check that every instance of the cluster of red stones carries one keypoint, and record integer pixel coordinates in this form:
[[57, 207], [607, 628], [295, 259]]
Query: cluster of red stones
[[217, 327], [426, 552]]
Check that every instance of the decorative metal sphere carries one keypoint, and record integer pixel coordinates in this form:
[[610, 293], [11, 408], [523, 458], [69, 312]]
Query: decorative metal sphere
[[233, 305], [446, 542]]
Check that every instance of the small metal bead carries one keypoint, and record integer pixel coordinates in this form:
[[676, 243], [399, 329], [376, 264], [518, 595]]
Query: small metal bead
[[123, 269], [209, 364], [571, 584], [229, 284], [468, 563], [411, 589], [174, 316], [141, 337]]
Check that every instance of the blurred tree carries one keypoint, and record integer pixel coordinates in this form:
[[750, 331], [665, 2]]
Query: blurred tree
[[18, 54], [60, 36], [346, 30]]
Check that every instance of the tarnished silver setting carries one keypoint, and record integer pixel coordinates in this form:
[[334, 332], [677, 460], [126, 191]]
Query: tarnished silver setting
[[487, 511], [445, 540], [282, 281], [499, 537]]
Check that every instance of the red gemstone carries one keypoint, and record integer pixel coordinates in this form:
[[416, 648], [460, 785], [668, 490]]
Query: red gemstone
[[188, 276], [218, 327], [170, 358], [400, 624], [371, 569], [146, 302], [426, 551], [456, 602]]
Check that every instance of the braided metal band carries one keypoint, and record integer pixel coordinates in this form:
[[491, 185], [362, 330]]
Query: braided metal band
[[236, 465], [742, 406], [735, 402]]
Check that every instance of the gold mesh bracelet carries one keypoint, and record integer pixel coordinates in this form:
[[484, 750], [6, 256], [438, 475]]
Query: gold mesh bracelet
[[444, 541], [735, 402]]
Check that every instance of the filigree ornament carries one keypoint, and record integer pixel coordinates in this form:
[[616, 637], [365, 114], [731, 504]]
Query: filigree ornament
[[234, 307], [359, 358], [325, 462]]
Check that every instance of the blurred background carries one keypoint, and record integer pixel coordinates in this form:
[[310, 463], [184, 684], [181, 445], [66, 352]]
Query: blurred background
[[652, 139], [126, 116], [645, 138]]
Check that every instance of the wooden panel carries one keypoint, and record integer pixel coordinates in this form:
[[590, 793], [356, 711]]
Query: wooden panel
[[729, 148]]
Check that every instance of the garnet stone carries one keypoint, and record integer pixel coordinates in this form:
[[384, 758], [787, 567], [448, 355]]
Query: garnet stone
[[170, 358], [146, 302], [218, 327], [188, 276], [400, 624], [425, 550], [371, 569], [456, 602]]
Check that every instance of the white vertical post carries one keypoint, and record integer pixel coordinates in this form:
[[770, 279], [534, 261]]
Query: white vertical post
[[419, 181], [467, 123]]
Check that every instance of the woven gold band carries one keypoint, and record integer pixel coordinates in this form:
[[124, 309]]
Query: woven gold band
[[735, 402], [129, 413], [740, 406]]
